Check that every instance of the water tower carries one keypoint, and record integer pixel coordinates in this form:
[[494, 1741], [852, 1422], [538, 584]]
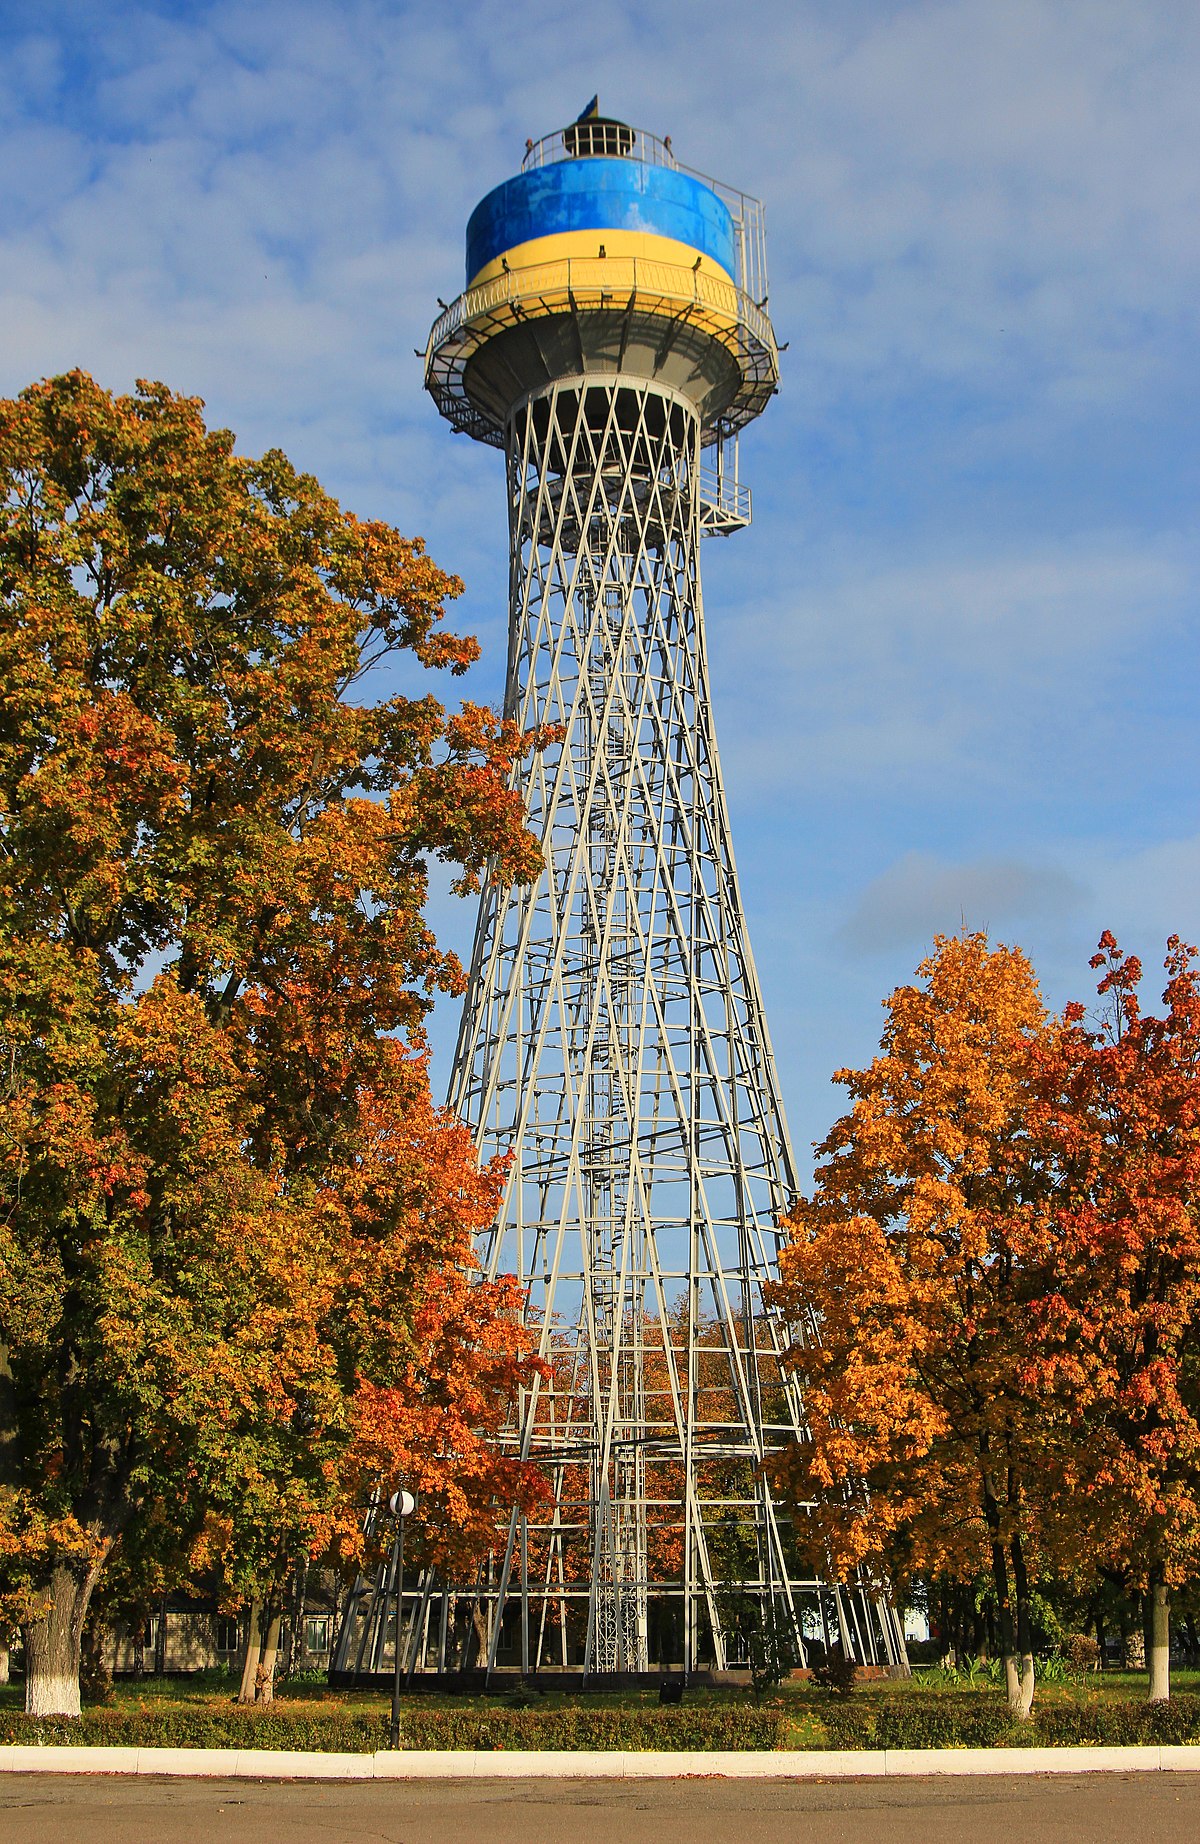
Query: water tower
[[612, 341]]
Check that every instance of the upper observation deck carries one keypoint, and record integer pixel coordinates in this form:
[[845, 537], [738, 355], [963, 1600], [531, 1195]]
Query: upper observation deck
[[604, 257]]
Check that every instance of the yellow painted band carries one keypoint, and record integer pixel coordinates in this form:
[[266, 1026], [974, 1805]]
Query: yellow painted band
[[586, 283], [618, 245]]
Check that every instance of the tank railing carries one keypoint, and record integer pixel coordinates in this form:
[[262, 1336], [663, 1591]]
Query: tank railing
[[604, 275], [588, 140], [750, 231], [746, 212]]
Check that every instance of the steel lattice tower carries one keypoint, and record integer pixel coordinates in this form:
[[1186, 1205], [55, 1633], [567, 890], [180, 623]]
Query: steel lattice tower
[[613, 329]]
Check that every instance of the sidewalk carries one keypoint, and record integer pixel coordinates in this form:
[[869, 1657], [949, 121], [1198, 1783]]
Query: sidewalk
[[499, 1764]]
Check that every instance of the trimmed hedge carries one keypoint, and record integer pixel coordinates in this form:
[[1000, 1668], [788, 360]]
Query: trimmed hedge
[[203, 1725], [920, 1719], [182, 1725], [929, 1719], [1118, 1724], [695, 1727]]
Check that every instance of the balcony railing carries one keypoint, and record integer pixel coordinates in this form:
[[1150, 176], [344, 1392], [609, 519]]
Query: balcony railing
[[581, 285], [605, 276]]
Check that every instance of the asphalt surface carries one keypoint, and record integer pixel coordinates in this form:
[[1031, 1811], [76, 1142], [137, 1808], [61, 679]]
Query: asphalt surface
[[1027, 1809]]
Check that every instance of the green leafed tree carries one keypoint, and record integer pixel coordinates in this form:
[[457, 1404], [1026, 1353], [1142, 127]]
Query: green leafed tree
[[235, 1233]]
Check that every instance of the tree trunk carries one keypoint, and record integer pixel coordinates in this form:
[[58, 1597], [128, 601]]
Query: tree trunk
[[253, 1653], [294, 1656], [262, 1649], [52, 1644], [264, 1677], [1023, 1706], [481, 1621], [160, 1640], [1012, 1678], [3, 1661], [95, 1672], [1159, 1600]]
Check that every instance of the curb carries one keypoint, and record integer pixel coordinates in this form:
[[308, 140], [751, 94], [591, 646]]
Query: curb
[[564, 1764]]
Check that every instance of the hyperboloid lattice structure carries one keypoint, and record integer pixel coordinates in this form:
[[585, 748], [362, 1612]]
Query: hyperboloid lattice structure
[[612, 335]]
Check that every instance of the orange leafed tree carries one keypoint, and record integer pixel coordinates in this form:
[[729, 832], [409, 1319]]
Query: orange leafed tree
[[926, 1451], [1117, 1333], [235, 1234]]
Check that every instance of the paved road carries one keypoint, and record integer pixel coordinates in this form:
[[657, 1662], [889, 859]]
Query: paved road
[[1080, 1809]]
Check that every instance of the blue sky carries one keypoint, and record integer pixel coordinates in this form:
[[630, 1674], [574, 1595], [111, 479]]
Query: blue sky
[[956, 657]]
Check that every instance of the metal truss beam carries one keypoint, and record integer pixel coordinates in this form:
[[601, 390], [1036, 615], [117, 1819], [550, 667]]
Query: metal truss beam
[[614, 1036]]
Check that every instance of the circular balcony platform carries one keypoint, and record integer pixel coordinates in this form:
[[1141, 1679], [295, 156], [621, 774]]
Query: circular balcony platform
[[512, 335]]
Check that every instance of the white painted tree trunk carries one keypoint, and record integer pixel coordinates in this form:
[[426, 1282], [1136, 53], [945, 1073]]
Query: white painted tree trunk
[[253, 1653], [52, 1646], [1024, 1704], [262, 1650], [1160, 1644], [1012, 1679], [1019, 1683], [265, 1675], [3, 1661]]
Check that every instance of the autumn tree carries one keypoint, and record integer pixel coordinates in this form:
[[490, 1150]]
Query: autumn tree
[[235, 1234], [1118, 1332], [926, 1453]]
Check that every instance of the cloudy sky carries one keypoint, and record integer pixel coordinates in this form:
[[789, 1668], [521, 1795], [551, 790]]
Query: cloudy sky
[[955, 658]]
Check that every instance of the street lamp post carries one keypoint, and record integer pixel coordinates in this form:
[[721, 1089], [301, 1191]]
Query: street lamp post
[[401, 1505]]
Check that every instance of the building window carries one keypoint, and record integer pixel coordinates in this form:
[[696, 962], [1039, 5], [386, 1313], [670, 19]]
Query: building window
[[316, 1633], [227, 1635]]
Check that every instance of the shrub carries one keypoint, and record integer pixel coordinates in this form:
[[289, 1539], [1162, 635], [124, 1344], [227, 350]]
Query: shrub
[[1080, 1653], [688, 1727], [930, 1719], [849, 1722], [941, 1721], [836, 1672], [353, 1731], [948, 1720], [206, 1725], [1114, 1723]]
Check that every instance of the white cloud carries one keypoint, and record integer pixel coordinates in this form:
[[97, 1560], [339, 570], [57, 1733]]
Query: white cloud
[[919, 897], [961, 633], [935, 172]]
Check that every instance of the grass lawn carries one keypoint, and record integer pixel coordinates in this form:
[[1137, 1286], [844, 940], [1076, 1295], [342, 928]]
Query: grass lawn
[[1130, 1684]]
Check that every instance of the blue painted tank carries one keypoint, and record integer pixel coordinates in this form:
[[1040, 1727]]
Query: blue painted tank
[[599, 195]]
